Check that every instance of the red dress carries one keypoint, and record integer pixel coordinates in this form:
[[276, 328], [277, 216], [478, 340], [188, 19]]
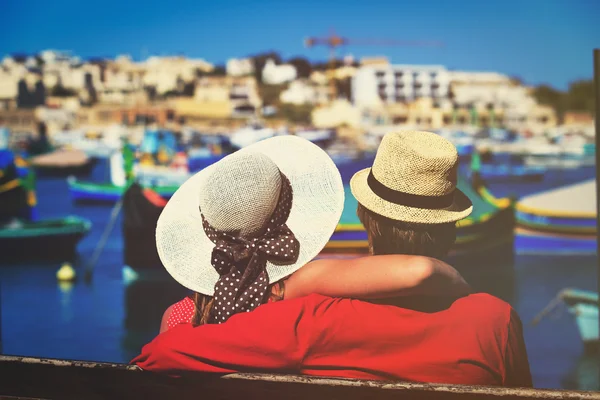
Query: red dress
[[181, 313], [476, 340]]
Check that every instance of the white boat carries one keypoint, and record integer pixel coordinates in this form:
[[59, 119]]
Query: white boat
[[552, 162], [157, 175], [92, 142], [251, 134], [583, 305], [316, 135], [147, 175]]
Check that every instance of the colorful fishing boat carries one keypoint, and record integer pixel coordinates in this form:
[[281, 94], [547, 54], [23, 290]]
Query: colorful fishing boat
[[122, 166], [504, 167], [63, 162], [561, 220], [52, 239], [22, 236], [141, 209], [106, 192]]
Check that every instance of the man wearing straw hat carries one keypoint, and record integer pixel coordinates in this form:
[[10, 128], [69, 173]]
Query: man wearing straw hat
[[408, 203]]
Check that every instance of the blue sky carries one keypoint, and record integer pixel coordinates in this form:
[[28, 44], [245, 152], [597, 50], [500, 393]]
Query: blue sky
[[541, 41]]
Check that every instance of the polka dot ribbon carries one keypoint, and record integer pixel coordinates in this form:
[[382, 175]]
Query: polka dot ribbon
[[241, 263]]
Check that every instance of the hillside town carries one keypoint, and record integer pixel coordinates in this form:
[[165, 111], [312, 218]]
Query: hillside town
[[354, 96]]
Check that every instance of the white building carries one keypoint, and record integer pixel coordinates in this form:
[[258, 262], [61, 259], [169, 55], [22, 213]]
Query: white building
[[164, 73], [277, 74], [388, 84], [303, 92], [58, 57], [239, 66], [484, 88]]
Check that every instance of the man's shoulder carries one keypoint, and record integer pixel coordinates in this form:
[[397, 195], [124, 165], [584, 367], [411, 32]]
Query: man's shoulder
[[485, 307]]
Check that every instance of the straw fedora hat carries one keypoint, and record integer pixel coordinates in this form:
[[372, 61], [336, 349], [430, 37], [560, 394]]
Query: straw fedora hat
[[413, 179], [238, 194]]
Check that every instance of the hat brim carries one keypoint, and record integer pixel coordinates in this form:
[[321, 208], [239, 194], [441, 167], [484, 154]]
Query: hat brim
[[461, 206], [318, 201]]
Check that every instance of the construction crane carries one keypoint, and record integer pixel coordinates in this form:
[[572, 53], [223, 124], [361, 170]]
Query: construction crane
[[333, 41]]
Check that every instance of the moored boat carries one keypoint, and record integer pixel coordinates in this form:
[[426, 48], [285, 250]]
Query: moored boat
[[63, 162], [106, 192], [512, 173], [51, 239], [141, 209], [560, 220], [583, 304]]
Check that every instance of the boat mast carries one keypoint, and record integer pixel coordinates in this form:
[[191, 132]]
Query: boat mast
[[597, 138]]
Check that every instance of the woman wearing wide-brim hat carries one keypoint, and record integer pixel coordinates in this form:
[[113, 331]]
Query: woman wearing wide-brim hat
[[236, 230]]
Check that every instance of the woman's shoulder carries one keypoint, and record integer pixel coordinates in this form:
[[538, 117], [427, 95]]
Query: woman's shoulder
[[178, 313]]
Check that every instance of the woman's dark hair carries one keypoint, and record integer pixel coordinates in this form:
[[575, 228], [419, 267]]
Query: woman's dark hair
[[388, 236]]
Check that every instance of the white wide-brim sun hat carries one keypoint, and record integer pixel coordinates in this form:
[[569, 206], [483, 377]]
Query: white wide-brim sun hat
[[318, 200]]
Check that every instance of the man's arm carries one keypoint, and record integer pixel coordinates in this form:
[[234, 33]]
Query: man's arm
[[273, 337], [377, 277], [516, 363]]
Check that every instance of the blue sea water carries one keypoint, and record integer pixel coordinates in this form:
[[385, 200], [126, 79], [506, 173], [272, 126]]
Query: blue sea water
[[109, 319]]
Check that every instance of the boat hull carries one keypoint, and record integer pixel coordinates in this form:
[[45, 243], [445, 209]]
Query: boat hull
[[536, 242], [60, 171], [51, 240], [586, 316], [583, 305], [89, 192]]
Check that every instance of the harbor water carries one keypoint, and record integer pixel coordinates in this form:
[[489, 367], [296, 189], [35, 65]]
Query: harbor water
[[110, 318]]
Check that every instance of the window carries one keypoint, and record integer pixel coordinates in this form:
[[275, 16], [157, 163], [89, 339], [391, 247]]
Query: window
[[379, 74], [104, 115]]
